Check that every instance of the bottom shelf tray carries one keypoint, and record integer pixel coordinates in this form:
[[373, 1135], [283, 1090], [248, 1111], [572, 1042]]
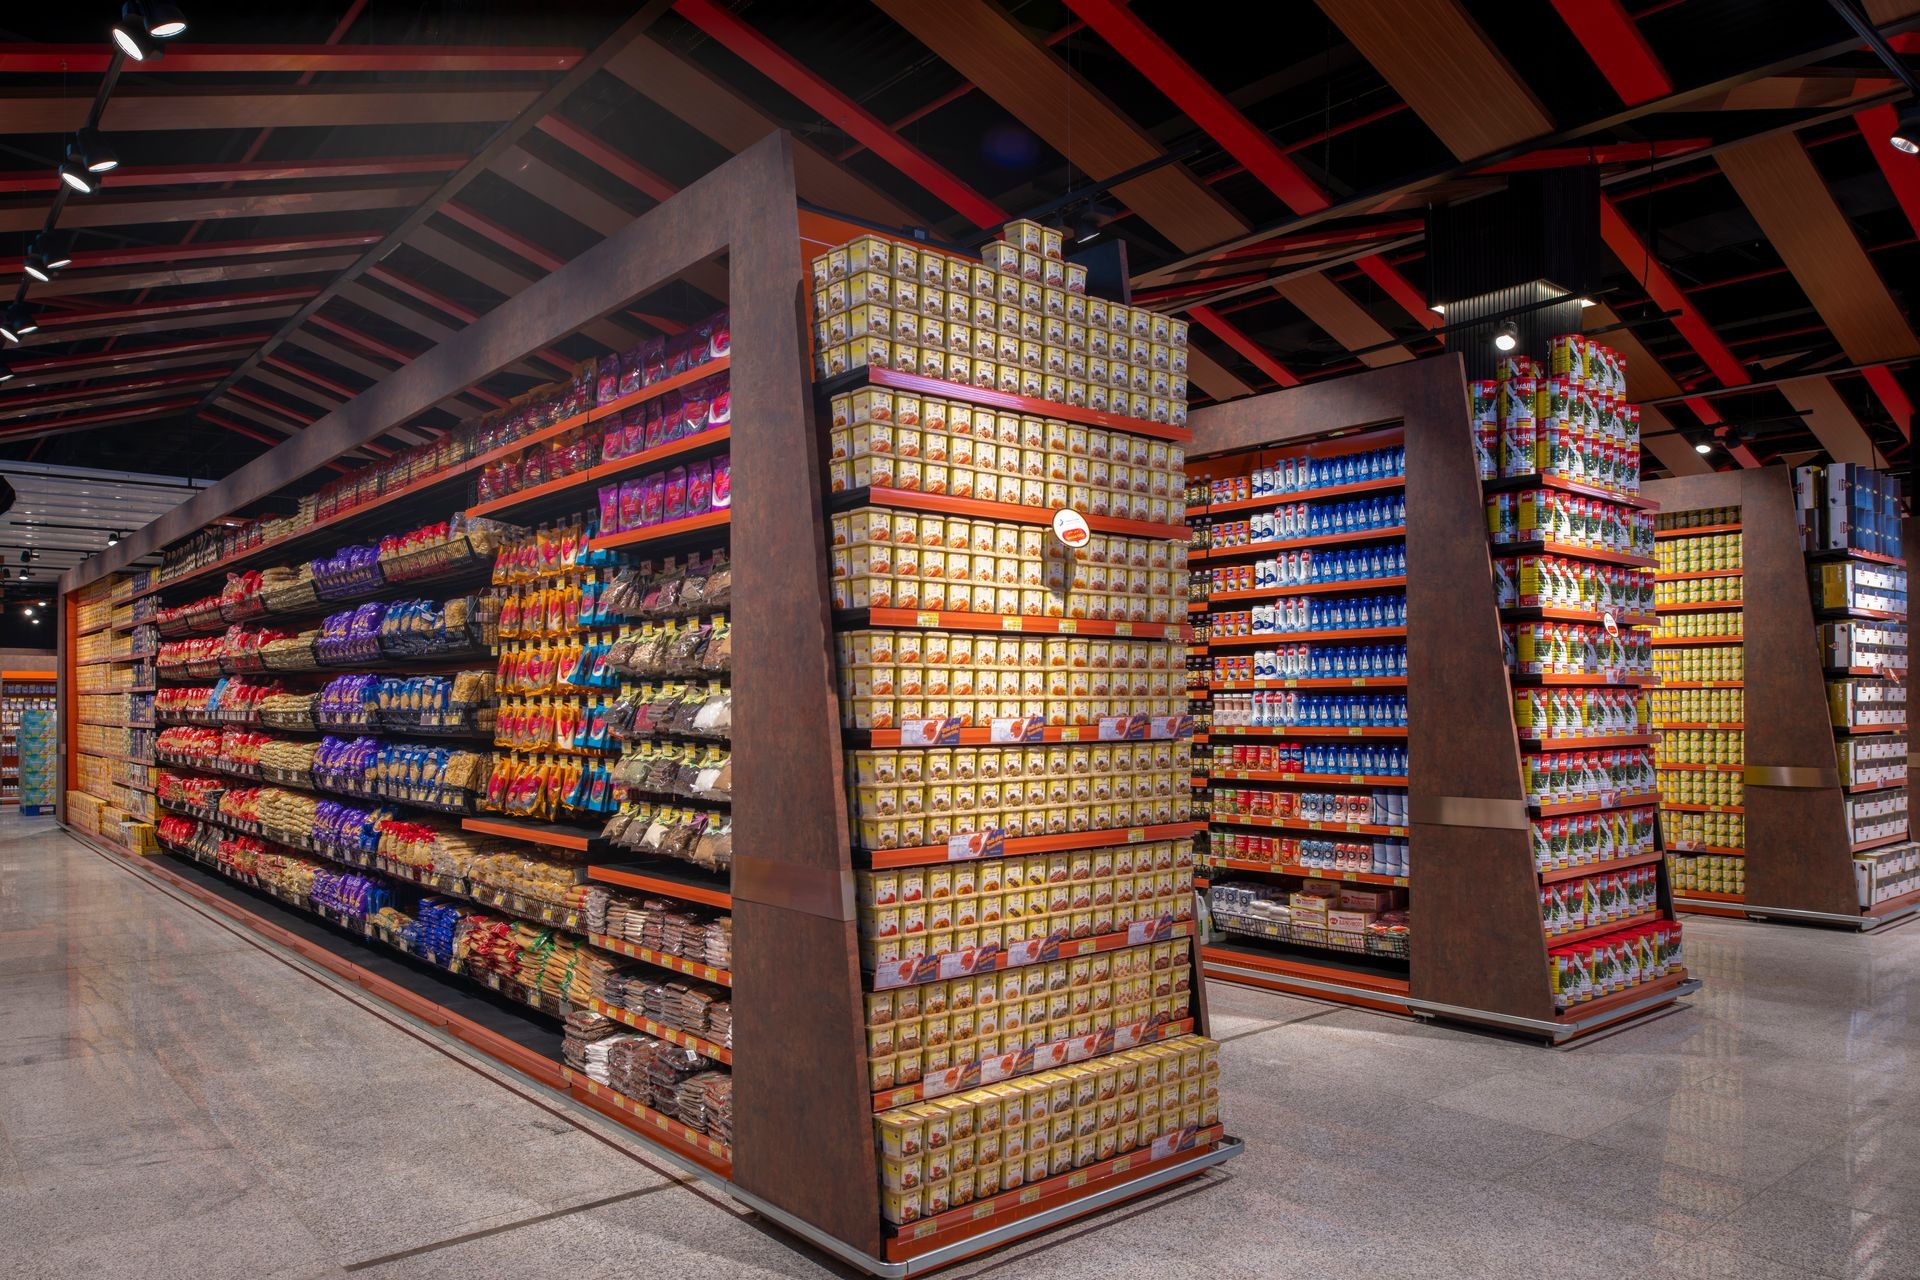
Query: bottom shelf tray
[[1326, 975], [707, 1152], [990, 1223]]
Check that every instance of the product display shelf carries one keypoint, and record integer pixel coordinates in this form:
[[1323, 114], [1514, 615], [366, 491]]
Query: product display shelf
[[28, 740], [98, 668], [1796, 860], [1477, 950], [890, 850]]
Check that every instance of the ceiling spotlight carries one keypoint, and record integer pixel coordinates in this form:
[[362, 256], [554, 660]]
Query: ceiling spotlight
[[6, 371], [1586, 302], [165, 21], [1906, 132], [95, 153], [1507, 336], [113, 539], [1703, 447], [23, 575], [1438, 308], [134, 34], [18, 324], [29, 611], [26, 557], [37, 266], [76, 175]]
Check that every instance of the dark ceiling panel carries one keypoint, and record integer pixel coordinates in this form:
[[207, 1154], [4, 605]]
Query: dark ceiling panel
[[139, 210], [139, 109]]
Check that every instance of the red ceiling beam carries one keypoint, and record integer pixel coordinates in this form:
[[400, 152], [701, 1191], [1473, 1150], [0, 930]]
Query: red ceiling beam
[[309, 376], [253, 433], [1902, 172], [1608, 34], [1327, 239], [1205, 105], [1705, 411], [775, 63], [92, 59], [148, 255], [105, 415], [1155, 295], [1660, 286], [1607, 153], [360, 339], [206, 376], [1893, 396], [108, 359], [1253, 352], [177, 306], [447, 306], [508, 240], [253, 398], [180, 175], [629, 171]]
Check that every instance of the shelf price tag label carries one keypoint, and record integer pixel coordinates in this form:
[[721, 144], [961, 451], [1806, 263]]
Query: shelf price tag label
[[1017, 729], [1012, 622], [944, 732], [991, 843], [1068, 626], [1171, 726], [926, 619]]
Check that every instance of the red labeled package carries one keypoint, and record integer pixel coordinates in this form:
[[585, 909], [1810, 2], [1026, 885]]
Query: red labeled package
[[722, 482], [676, 494]]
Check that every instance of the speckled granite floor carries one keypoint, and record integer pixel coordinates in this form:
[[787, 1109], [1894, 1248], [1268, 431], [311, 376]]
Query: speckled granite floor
[[177, 1101]]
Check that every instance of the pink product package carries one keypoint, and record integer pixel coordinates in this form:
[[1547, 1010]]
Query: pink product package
[[722, 482], [693, 408], [653, 356], [632, 505], [656, 426], [676, 497], [719, 401], [610, 509], [633, 429], [608, 384], [631, 370], [719, 335], [654, 498], [699, 488]]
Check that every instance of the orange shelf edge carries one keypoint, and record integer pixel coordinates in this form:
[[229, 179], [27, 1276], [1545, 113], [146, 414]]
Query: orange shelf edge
[[1601, 930], [926, 855], [1598, 868]]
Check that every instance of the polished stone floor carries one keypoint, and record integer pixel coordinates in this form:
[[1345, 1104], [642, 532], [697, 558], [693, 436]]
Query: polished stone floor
[[177, 1100]]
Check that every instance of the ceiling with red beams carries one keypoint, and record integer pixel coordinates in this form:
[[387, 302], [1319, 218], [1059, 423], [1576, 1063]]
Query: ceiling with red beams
[[309, 196]]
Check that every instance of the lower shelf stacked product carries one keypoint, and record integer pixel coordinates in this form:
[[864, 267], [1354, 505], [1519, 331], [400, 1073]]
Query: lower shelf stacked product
[[1700, 709]]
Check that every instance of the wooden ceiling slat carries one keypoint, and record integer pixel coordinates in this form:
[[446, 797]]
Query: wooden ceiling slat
[[501, 278], [158, 324], [1786, 195], [1885, 11], [398, 312], [110, 396], [53, 377], [716, 109], [89, 421], [233, 404], [1647, 379], [1663, 442], [1453, 76], [461, 406], [296, 389], [984, 44], [1214, 378], [137, 108], [138, 210], [70, 284], [1790, 93], [1346, 321], [1831, 421], [1032, 82]]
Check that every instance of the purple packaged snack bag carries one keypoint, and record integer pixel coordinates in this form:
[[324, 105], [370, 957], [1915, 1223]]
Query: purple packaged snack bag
[[631, 371], [719, 401], [676, 494], [699, 487], [655, 488], [720, 335], [656, 424], [633, 504], [693, 409], [653, 356], [608, 385], [671, 425], [722, 482], [610, 508], [633, 429]]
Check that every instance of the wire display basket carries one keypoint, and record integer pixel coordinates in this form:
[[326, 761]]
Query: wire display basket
[[1392, 946], [296, 656], [455, 556], [291, 597]]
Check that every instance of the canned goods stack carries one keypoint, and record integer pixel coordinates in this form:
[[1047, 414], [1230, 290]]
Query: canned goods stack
[[1702, 747], [1708, 873], [1695, 590], [1715, 664], [1697, 626], [1713, 788], [1018, 321], [1701, 553], [1697, 708], [1685, 831]]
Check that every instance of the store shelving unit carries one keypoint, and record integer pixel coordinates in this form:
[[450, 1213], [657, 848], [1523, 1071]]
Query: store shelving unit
[[28, 740], [1798, 856], [1477, 951], [107, 725], [802, 1144]]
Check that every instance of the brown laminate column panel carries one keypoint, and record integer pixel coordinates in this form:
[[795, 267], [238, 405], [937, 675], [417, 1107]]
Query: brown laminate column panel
[[803, 1127], [1477, 941]]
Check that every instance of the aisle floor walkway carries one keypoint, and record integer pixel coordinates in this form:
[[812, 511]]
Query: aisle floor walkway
[[177, 1100]]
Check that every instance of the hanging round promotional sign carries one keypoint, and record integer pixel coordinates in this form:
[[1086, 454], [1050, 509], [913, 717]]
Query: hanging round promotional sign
[[1071, 528]]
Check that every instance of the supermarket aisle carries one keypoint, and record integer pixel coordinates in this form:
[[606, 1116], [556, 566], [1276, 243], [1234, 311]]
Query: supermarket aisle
[[174, 1100]]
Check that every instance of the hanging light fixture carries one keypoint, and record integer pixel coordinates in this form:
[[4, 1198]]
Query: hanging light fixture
[[1703, 447], [113, 539], [1906, 132], [95, 152], [165, 21], [19, 322], [1507, 336], [133, 33], [74, 172], [6, 372]]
